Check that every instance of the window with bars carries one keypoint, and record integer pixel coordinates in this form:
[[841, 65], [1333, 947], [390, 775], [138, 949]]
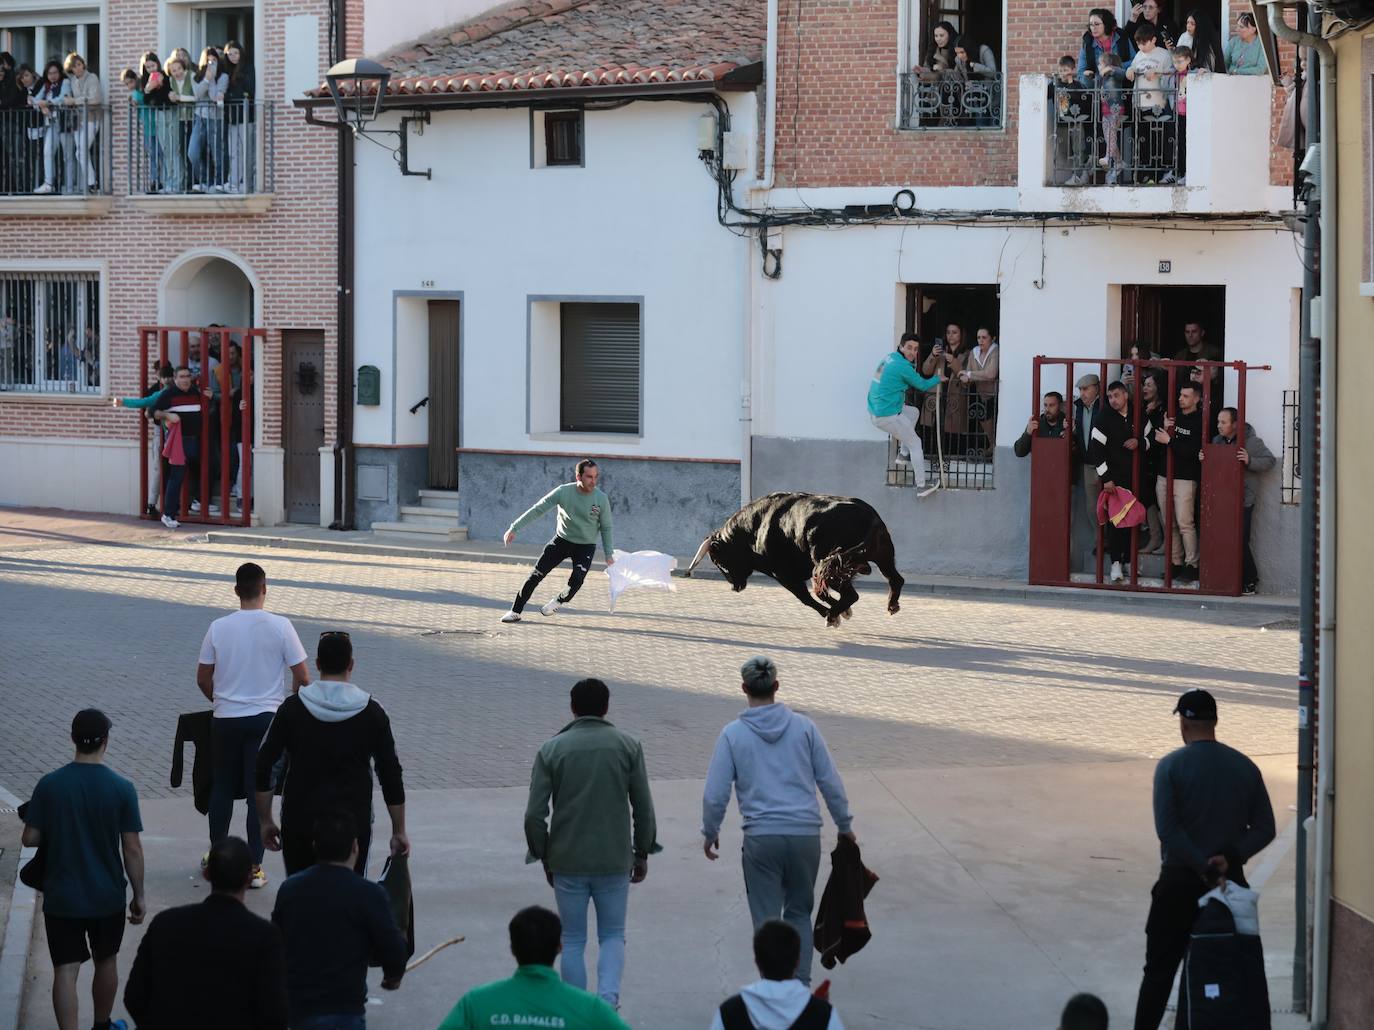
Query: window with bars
[[50, 332], [599, 362]]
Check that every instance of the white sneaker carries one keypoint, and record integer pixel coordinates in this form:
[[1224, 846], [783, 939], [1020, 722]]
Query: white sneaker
[[195, 507], [45, 188], [1077, 179], [197, 188], [170, 522], [551, 606], [1117, 577], [511, 616]]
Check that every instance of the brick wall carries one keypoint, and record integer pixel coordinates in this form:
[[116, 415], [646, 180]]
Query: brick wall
[[837, 87], [291, 248]]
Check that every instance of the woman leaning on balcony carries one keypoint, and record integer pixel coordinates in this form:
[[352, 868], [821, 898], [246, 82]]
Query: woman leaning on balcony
[[85, 95], [1244, 52], [1101, 37]]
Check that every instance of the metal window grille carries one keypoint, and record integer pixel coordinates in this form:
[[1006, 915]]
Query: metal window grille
[[1290, 489], [599, 368], [50, 332], [958, 456], [63, 152], [942, 103], [563, 138], [212, 148], [1116, 136]]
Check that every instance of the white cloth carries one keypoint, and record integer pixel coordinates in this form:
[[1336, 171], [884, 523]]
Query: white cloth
[[776, 1004], [1243, 903], [251, 652], [652, 570]]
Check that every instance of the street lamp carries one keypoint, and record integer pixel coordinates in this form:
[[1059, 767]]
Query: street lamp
[[358, 87]]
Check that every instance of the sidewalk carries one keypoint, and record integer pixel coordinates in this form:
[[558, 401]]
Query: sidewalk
[[1003, 892]]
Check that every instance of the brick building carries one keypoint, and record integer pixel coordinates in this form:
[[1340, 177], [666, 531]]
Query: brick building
[[248, 239]]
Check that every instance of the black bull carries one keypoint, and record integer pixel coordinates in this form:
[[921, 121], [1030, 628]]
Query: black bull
[[806, 540]]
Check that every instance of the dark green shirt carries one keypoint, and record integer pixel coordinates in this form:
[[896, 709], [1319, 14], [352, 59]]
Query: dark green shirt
[[595, 776], [534, 997], [79, 812]]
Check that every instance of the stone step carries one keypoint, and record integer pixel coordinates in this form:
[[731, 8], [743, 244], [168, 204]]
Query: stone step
[[418, 531], [439, 499], [422, 516]]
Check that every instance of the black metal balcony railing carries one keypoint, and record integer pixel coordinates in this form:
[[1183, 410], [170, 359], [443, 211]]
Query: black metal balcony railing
[[1116, 137], [1290, 486], [210, 148], [958, 434], [948, 103], [63, 151]]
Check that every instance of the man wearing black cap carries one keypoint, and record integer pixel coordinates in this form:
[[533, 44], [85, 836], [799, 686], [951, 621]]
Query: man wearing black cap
[[86, 817], [1212, 814]]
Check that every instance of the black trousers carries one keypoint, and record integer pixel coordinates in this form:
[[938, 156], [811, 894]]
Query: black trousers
[[554, 555], [1173, 908]]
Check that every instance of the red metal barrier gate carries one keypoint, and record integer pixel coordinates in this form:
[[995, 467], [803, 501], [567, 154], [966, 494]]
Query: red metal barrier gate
[[1222, 487], [226, 410]]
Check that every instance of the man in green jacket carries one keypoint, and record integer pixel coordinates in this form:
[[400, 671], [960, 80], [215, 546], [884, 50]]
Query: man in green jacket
[[534, 996], [584, 512], [887, 407], [589, 770]]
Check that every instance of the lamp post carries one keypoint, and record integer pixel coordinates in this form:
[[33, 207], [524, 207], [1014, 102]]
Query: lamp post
[[358, 87]]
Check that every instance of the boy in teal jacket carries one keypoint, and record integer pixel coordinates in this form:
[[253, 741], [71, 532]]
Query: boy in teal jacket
[[887, 409]]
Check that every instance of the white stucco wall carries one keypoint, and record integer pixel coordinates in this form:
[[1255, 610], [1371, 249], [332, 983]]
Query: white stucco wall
[[837, 309], [638, 220]]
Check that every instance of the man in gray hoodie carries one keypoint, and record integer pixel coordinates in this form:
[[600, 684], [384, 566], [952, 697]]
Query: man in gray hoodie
[[776, 760]]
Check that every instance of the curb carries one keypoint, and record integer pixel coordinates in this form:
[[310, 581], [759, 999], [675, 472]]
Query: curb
[[1280, 608]]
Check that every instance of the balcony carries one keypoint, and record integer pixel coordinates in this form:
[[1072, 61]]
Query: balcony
[[945, 103], [55, 161], [202, 158], [1225, 137]]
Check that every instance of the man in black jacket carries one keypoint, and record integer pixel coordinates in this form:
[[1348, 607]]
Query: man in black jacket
[[1183, 436], [1049, 424], [1110, 450], [213, 965], [333, 733]]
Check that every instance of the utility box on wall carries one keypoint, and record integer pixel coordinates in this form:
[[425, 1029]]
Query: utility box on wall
[[369, 385]]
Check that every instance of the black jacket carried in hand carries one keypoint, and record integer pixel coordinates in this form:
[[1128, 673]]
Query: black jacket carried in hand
[[194, 728], [841, 926], [214, 966]]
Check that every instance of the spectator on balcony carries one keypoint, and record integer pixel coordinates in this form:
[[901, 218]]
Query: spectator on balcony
[[1148, 12], [976, 67], [12, 123], [980, 376], [1257, 459], [939, 60], [238, 119], [211, 82], [1154, 456], [1183, 436], [887, 409], [1112, 86], [947, 358], [1148, 69], [87, 100], [155, 90], [177, 144], [1200, 36], [1102, 37], [1049, 424], [1151, 71], [46, 101], [973, 60], [1073, 113], [1111, 449], [1244, 52], [1086, 411]]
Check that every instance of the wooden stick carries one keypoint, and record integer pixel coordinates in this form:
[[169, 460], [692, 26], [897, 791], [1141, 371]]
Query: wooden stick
[[434, 951]]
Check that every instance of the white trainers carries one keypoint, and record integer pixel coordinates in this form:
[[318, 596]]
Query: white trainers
[[511, 616], [170, 522], [195, 507], [1117, 577], [45, 188], [551, 606]]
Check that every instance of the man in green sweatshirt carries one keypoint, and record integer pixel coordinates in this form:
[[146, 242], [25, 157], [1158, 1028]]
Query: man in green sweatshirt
[[584, 512]]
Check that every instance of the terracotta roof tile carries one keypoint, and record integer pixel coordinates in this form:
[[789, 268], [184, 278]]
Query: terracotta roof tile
[[567, 44]]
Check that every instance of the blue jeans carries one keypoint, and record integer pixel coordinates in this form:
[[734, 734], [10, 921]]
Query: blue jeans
[[347, 1022], [233, 756], [610, 895]]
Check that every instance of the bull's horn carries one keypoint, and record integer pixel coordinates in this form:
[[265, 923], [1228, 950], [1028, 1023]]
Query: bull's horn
[[701, 553]]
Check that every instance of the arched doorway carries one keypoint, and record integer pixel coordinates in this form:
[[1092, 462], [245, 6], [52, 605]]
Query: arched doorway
[[207, 288]]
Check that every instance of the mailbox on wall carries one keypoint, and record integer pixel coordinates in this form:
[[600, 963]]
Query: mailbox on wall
[[369, 385]]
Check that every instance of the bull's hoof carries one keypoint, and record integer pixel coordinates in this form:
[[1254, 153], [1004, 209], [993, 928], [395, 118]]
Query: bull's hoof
[[832, 621], [848, 613], [736, 589], [893, 608]]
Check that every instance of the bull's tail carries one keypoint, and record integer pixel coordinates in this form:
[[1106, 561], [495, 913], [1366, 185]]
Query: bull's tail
[[701, 553]]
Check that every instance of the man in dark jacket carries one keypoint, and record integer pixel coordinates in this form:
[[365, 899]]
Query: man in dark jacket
[[1049, 424], [1212, 815], [334, 733], [1183, 436], [335, 923], [778, 1000], [1111, 451], [1257, 459], [213, 965], [180, 404]]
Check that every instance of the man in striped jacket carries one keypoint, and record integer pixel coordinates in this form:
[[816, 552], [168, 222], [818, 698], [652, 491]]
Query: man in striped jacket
[[179, 406]]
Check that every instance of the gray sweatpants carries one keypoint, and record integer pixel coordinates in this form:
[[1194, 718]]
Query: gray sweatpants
[[780, 879]]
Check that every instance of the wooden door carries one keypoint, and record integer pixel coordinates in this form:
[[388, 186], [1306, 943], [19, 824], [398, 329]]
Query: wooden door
[[303, 432], [443, 394]]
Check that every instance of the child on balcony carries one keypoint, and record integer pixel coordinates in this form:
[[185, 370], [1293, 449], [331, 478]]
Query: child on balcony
[[1183, 71], [1148, 71], [1073, 111], [1112, 86]]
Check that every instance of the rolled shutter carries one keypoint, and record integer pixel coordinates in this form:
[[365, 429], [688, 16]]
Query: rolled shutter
[[600, 368]]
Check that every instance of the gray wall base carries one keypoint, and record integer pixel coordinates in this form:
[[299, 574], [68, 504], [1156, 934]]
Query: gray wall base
[[406, 469]]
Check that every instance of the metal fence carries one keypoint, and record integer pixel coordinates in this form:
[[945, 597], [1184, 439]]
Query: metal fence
[[1117, 136], [50, 332], [957, 426], [188, 148], [1290, 487], [62, 150], [948, 103]]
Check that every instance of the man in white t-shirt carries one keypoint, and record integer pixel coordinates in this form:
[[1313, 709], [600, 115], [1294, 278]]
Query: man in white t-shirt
[[243, 666]]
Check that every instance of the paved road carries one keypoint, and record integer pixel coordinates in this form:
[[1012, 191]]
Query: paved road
[[944, 683]]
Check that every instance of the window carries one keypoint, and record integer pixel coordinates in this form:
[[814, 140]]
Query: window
[[957, 423], [952, 73], [556, 139], [50, 332], [36, 38], [599, 368]]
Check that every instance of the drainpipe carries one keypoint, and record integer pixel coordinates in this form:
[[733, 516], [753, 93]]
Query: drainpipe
[[1325, 328], [344, 487], [770, 96]]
